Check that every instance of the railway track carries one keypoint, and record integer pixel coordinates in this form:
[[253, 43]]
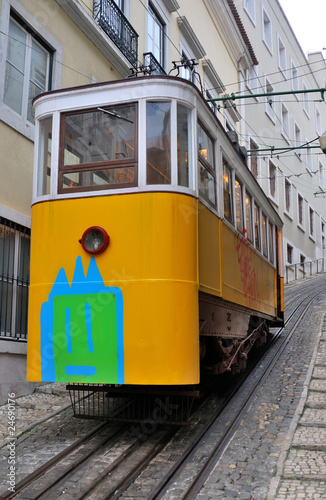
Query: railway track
[[114, 458]]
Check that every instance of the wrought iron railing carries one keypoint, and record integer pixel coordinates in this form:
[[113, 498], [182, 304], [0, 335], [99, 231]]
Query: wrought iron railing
[[154, 67], [14, 280], [117, 27], [303, 269]]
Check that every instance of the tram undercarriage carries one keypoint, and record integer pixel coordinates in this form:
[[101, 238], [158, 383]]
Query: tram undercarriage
[[227, 334]]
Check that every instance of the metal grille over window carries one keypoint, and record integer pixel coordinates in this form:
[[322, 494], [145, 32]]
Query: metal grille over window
[[118, 28], [14, 279]]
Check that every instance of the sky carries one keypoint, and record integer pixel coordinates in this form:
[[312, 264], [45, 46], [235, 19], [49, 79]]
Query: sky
[[308, 21]]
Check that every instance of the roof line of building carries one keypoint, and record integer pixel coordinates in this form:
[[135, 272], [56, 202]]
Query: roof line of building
[[243, 32]]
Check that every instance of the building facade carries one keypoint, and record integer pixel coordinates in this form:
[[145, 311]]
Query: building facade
[[293, 179]]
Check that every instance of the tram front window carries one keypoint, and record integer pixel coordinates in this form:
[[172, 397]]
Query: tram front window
[[98, 149]]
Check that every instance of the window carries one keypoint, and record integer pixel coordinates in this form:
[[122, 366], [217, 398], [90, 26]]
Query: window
[[308, 157], [239, 205], [158, 142], [297, 140], [302, 259], [323, 224], [281, 56], [120, 4], [249, 6], [155, 35], [206, 165], [248, 206], [253, 159], [311, 222], [28, 69], [227, 192], [321, 176], [294, 77], [318, 122], [267, 30], [288, 195], [14, 279], [305, 100], [212, 104], [184, 144], [272, 180], [252, 78], [44, 157], [270, 105], [257, 227], [300, 211], [187, 70], [271, 242], [264, 234], [289, 254], [285, 122], [98, 149]]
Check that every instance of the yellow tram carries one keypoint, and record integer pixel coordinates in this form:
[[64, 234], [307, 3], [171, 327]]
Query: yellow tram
[[154, 251]]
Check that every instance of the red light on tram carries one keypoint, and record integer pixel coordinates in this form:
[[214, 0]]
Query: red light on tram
[[94, 240]]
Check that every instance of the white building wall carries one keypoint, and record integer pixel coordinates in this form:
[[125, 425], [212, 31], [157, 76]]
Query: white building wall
[[287, 121]]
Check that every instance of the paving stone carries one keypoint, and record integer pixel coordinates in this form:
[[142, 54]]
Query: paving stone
[[310, 437], [313, 416], [316, 400], [319, 372], [318, 385], [291, 489], [305, 464]]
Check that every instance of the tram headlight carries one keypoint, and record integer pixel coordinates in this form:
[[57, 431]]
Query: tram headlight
[[95, 240]]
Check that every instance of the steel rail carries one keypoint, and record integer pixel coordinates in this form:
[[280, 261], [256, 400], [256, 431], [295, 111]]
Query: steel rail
[[30, 478]]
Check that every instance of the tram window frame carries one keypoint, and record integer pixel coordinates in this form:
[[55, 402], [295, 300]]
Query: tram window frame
[[44, 172], [264, 229], [248, 216], [239, 205], [101, 168], [228, 192], [184, 164], [206, 165], [163, 159], [257, 227], [271, 242]]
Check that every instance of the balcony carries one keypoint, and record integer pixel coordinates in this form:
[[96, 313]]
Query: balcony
[[154, 67], [117, 27]]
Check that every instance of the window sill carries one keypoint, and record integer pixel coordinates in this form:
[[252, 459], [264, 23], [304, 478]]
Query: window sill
[[16, 122]]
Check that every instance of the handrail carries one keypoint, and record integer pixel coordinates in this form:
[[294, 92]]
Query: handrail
[[299, 269]]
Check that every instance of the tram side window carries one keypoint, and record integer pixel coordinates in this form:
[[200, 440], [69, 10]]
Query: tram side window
[[206, 165], [264, 235], [184, 145], [239, 205], [227, 192], [158, 142], [257, 227], [271, 240], [98, 149], [44, 157], [248, 205]]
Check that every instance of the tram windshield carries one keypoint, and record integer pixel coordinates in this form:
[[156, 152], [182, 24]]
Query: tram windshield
[[98, 148]]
